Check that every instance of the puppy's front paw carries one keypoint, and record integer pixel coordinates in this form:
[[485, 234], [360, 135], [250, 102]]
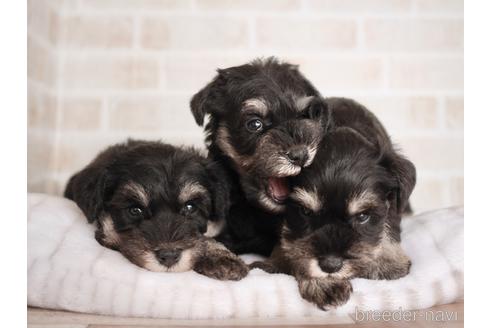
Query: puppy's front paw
[[222, 267], [394, 270], [392, 264], [265, 266], [325, 292]]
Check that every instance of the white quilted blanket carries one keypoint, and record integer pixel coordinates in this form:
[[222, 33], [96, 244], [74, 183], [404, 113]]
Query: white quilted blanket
[[69, 270]]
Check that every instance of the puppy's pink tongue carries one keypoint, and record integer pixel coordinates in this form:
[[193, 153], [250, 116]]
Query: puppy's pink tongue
[[278, 188]]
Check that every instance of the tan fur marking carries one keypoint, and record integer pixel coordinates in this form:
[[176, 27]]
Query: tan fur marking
[[361, 202], [302, 102], [312, 150], [267, 202], [315, 271], [258, 105], [223, 142], [346, 272], [191, 190], [308, 199], [214, 228], [391, 249], [185, 263], [285, 168], [138, 191], [213, 245], [111, 237]]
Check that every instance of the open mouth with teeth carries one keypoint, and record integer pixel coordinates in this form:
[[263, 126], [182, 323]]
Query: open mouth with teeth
[[278, 189]]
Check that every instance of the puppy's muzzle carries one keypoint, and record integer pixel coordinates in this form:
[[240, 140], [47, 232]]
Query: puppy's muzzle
[[330, 263], [298, 155], [168, 257]]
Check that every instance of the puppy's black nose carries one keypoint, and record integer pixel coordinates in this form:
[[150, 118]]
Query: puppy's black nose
[[168, 257], [298, 155], [330, 263]]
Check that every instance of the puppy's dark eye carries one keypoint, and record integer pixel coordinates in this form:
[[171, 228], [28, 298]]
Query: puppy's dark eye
[[362, 218], [254, 125], [135, 211], [306, 211], [189, 207]]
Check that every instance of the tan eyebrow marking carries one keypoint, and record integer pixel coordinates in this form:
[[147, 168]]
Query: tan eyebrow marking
[[361, 202], [191, 190], [308, 199], [257, 105], [302, 102], [138, 191]]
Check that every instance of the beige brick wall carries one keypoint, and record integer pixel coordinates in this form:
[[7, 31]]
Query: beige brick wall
[[42, 96], [103, 70]]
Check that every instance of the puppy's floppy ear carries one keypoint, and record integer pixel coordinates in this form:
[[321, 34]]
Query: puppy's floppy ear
[[210, 99], [87, 189], [405, 174], [221, 190]]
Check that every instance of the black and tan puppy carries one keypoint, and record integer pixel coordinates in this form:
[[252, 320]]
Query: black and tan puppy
[[159, 206], [266, 121], [343, 217]]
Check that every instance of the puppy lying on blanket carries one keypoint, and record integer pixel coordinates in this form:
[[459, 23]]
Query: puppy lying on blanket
[[159, 206], [343, 217]]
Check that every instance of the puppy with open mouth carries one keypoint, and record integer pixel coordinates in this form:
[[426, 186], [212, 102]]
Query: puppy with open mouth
[[159, 206], [343, 217], [265, 123]]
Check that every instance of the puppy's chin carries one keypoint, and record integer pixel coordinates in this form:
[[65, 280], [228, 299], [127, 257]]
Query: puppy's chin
[[267, 203], [260, 192], [150, 262]]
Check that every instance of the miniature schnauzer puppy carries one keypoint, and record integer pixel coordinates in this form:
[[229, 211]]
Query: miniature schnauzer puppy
[[159, 206], [343, 217], [265, 122]]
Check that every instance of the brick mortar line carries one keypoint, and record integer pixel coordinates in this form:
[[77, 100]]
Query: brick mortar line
[[360, 36], [42, 87], [162, 79], [447, 192], [128, 94], [251, 33], [428, 174], [441, 113], [41, 40], [137, 32], [104, 115], [270, 13], [341, 53], [386, 73]]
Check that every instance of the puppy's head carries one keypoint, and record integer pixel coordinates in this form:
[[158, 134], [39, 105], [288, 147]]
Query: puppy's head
[[267, 120], [345, 209], [152, 202]]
